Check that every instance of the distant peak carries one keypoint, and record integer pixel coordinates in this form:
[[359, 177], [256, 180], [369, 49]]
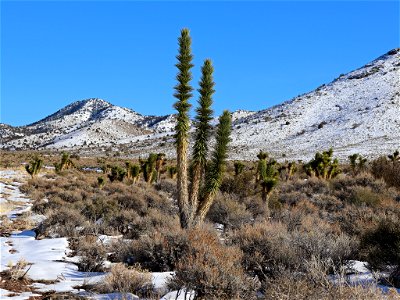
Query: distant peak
[[393, 51]]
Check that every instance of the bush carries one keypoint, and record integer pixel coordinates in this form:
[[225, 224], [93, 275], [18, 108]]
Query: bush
[[92, 255], [212, 270], [64, 222], [158, 252], [267, 249], [228, 211], [364, 196], [127, 280], [387, 170], [380, 247]]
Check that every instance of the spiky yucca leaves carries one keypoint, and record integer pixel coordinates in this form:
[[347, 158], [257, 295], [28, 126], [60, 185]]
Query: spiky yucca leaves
[[34, 167], [183, 94], [65, 163], [239, 167], [149, 168], [357, 163], [291, 169], [117, 173], [172, 171], [267, 174], [323, 166], [395, 157], [101, 182], [132, 171], [216, 168], [202, 134]]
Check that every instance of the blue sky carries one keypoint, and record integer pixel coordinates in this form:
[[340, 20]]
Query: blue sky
[[264, 52]]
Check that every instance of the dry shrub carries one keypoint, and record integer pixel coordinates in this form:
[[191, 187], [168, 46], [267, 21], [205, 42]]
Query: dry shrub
[[256, 206], [127, 280], [380, 247], [227, 210], [99, 207], [387, 170], [43, 206], [290, 287], [212, 270], [241, 185], [267, 248], [270, 249], [317, 238], [168, 186], [122, 220], [64, 222], [17, 271], [158, 252], [364, 196], [92, 254]]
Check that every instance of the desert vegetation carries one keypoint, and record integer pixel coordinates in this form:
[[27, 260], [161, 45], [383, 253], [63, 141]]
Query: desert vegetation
[[311, 229], [265, 228]]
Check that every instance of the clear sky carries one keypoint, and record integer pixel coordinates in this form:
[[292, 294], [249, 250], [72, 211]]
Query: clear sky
[[264, 52]]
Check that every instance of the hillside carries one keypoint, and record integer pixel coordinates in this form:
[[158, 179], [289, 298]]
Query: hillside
[[357, 112]]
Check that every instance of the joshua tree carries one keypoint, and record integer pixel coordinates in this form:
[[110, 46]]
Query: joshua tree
[[395, 157], [216, 168], [323, 166], [239, 166], [117, 173], [194, 204], [291, 169], [160, 162], [100, 181], [65, 163], [172, 171], [203, 132], [183, 94], [34, 167], [357, 162], [149, 168], [132, 171], [267, 175], [287, 170]]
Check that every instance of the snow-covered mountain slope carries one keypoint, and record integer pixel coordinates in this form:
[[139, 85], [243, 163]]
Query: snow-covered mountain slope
[[88, 122], [357, 112]]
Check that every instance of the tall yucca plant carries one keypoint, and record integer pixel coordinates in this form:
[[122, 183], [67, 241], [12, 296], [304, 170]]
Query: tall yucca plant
[[203, 132], [183, 94], [194, 205], [215, 170]]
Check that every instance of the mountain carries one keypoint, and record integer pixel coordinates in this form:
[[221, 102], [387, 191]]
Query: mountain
[[357, 112], [83, 123]]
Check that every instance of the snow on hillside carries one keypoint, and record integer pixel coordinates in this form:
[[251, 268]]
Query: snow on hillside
[[357, 112]]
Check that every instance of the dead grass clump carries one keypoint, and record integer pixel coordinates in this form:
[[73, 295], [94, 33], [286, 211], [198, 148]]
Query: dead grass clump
[[127, 280], [17, 271], [212, 270]]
